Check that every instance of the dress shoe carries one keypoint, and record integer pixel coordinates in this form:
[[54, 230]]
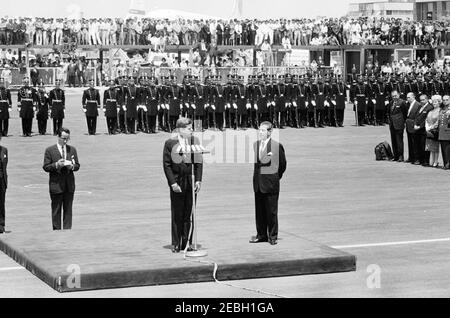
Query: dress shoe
[[425, 164], [400, 159], [273, 242], [258, 240], [417, 163], [176, 249], [407, 161]]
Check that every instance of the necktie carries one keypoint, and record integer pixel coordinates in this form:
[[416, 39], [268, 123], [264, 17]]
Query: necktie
[[63, 153], [261, 149]]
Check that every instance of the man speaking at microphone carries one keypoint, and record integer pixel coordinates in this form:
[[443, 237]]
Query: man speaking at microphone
[[61, 161], [177, 164]]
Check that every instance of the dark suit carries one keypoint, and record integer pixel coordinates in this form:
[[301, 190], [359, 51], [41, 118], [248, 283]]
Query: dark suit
[[410, 131], [420, 135], [3, 185], [267, 174], [178, 169], [397, 116], [5, 108], [62, 184]]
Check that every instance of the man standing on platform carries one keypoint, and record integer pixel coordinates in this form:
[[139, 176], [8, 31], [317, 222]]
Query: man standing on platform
[[5, 108], [177, 164], [26, 102], [91, 103], [397, 116], [57, 102], [270, 165], [61, 161], [3, 184]]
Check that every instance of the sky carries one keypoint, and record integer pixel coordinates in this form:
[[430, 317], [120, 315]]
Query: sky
[[221, 8]]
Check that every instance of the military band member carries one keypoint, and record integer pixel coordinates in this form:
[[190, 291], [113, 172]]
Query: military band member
[[318, 98], [91, 103], [5, 108], [340, 93], [111, 105], [359, 97], [220, 101], [42, 108], [57, 105], [280, 103], [26, 102]]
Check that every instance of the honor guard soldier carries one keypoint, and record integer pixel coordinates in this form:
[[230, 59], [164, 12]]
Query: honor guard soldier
[[91, 104], [280, 103], [151, 100], [219, 103], [302, 94], [359, 99], [26, 102], [251, 105], [174, 96], [291, 101], [228, 90], [340, 95], [121, 85], [141, 108], [111, 106], [57, 105], [319, 98], [371, 100], [42, 108], [437, 88], [446, 84], [401, 87], [209, 111], [422, 86], [262, 101], [200, 101], [328, 112], [162, 92], [132, 95], [5, 108], [271, 87], [241, 102], [381, 96], [233, 103]]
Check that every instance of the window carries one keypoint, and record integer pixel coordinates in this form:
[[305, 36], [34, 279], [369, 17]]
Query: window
[[388, 12]]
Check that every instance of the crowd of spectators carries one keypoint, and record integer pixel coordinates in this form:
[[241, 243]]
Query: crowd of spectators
[[162, 32]]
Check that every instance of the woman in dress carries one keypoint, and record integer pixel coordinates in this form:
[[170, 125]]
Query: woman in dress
[[431, 126]]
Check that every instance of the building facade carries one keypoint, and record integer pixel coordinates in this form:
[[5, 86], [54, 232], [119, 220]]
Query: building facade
[[383, 8], [432, 10]]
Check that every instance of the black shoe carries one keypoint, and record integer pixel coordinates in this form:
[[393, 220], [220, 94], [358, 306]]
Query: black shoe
[[425, 164], [273, 242], [400, 159], [258, 240], [176, 249], [416, 163], [408, 161]]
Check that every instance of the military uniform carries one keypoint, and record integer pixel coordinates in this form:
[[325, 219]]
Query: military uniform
[[91, 103], [5, 108], [42, 111], [57, 105], [111, 104], [26, 100]]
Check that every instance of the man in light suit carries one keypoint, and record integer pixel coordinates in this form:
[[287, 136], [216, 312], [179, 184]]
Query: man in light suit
[[270, 165], [397, 116], [3, 184], [177, 166], [414, 107], [61, 161]]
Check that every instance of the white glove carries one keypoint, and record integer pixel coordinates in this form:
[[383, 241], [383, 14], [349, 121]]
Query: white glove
[[326, 104], [206, 105], [333, 102], [193, 106], [386, 103], [213, 107], [84, 110], [34, 109], [374, 101], [268, 104], [356, 102], [256, 107], [294, 103], [286, 105], [104, 110], [181, 106], [234, 106], [159, 107], [9, 109], [313, 103], [248, 106], [228, 105], [187, 105], [306, 103], [118, 109], [124, 108], [273, 103], [167, 106], [145, 108]]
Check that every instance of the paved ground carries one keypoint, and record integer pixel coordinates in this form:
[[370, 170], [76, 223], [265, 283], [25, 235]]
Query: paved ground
[[392, 216]]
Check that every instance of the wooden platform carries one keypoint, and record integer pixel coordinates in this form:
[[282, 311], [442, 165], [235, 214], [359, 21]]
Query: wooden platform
[[128, 257]]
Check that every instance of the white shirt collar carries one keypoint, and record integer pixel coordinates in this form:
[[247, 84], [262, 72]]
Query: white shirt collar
[[60, 149]]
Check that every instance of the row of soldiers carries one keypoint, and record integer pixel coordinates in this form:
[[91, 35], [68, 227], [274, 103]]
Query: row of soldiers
[[371, 95], [33, 103], [283, 100]]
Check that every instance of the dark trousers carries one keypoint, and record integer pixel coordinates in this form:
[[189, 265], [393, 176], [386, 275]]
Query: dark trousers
[[181, 207], [419, 141], [57, 125], [397, 142], [42, 126], [131, 123], [266, 213], [151, 123], [62, 201], [445, 148], [361, 118], [122, 127], [173, 122], [340, 117], [411, 154], [111, 123], [4, 125], [2, 204], [379, 116], [91, 124], [219, 121], [27, 124], [141, 120]]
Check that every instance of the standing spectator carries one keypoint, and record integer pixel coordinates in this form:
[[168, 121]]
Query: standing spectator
[[444, 131], [398, 112], [3, 184], [431, 126]]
